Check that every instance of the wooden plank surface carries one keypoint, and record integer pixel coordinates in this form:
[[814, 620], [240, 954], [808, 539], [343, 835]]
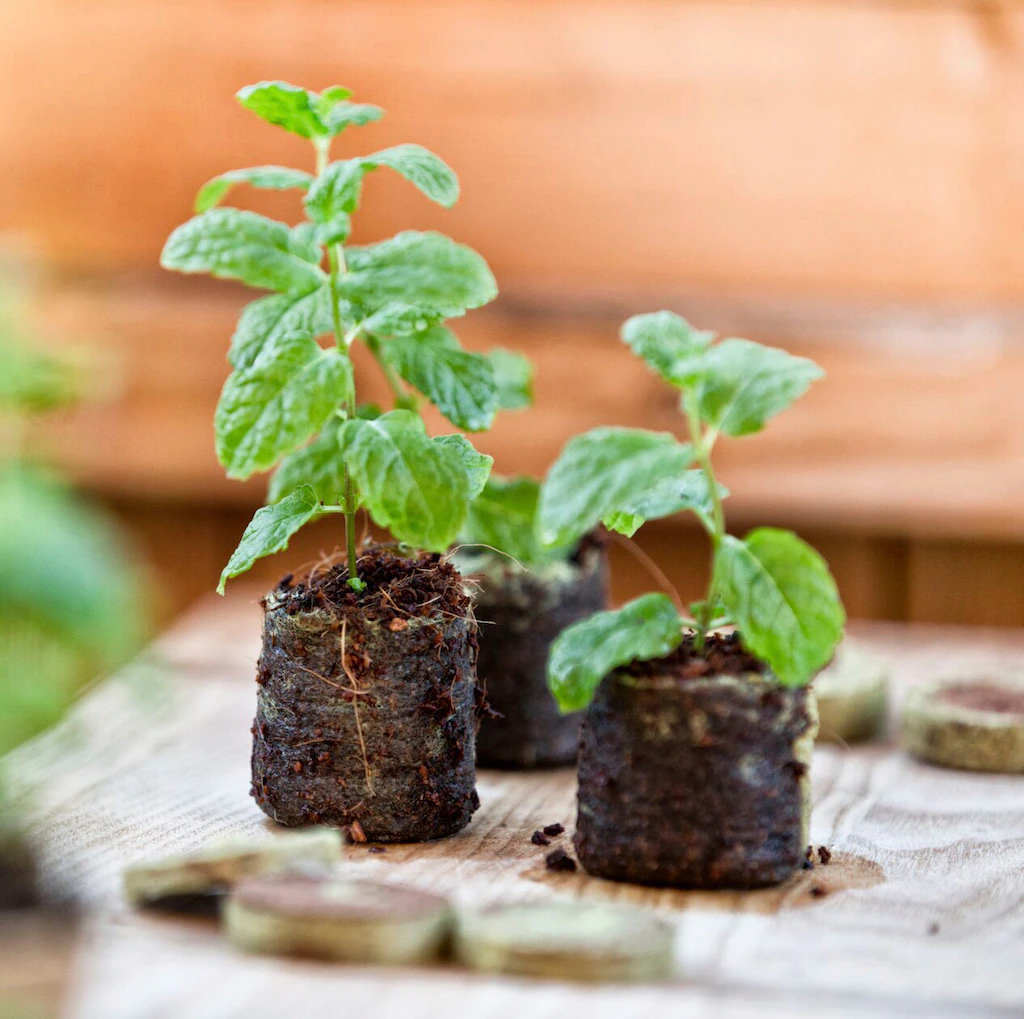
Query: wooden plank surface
[[923, 911], [839, 148]]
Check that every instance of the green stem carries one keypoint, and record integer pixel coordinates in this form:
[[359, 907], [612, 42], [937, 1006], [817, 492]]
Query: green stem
[[337, 266], [702, 442]]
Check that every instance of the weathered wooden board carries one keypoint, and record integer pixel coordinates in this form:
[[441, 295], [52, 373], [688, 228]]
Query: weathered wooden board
[[849, 148], [923, 911]]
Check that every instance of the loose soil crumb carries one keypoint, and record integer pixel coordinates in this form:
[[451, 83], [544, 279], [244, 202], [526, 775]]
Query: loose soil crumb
[[824, 855], [552, 830], [355, 832], [723, 655], [808, 863], [818, 892], [393, 592], [560, 860], [377, 849], [538, 838], [933, 928], [984, 697]]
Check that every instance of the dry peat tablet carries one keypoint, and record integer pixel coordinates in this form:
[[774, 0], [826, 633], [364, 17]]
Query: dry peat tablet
[[337, 918], [585, 941], [852, 696], [977, 724], [217, 866]]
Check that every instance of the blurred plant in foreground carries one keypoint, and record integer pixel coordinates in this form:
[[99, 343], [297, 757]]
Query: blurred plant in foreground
[[69, 599]]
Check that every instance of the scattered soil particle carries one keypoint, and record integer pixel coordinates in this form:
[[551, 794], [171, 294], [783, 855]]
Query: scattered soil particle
[[560, 860], [818, 891], [552, 830], [824, 855], [355, 832], [538, 838], [377, 849], [984, 697], [933, 928], [808, 863]]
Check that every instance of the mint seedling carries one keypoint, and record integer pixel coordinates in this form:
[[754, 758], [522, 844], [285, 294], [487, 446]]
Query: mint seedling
[[290, 402], [774, 587]]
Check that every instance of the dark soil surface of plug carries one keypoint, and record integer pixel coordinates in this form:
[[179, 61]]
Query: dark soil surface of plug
[[367, 703], [18, 889], [693, 773], [520, 615]]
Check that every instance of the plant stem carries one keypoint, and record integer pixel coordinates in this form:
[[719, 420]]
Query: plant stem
[[702, 442], [337, 266]]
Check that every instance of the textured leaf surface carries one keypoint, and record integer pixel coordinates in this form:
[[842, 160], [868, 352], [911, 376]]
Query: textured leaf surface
[[783, 600], [421, 268], [582, 655], [270, 531], [273, 178], [290, 107], [266, 322], [412, 485], [345, 114], [742, 384], [478, 465], [460, 384], [271, 409], [690, 492], [234, 244], [399, 319], [668, 343], [603, 472], [504, 517], [321, 465], [428, 172]]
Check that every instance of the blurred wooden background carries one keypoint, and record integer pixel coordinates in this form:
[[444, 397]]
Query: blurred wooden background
[[840, 177]]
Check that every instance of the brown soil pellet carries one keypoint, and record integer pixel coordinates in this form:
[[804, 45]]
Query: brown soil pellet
[[824, 855], [552, 830], [538, 838], [560, 860]]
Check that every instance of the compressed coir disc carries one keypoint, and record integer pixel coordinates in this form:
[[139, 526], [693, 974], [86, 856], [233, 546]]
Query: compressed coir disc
[[852, 695], [585, 941], [216, 867], [977, 724], [337, 918]]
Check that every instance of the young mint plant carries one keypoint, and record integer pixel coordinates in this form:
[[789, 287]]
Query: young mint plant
[[772, 586], [290, 402]]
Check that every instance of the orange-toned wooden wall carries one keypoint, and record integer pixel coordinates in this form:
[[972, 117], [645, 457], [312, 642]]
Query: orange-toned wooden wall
[[839, 176]]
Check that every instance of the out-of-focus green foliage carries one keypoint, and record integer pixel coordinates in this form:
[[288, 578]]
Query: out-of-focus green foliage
[[69, 604]]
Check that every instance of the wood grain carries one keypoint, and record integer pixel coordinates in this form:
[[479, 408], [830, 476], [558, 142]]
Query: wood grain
[[840, 148], [921, 912]]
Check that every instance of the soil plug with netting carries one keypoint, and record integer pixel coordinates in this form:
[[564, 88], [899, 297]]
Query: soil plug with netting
[[367, 680], [697, 739], [524, 597]]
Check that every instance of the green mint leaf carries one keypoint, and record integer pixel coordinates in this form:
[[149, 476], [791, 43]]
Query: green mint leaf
[[422, 268], [273, 178], [582, 655], [369, 411], [335, 230], [430, 173], [690, 492], [478, 465], [321, 465], [742, 384], [415, 487], [460, 384], [342, 115], [668, 343], [267, 321], [602, 472], [302, 242], [781, 596], [270, 530], [504, 516], [288, 106], [513, 374], [328, 100], [272, 408], [336, 191], [233, 244], [399, 320]]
